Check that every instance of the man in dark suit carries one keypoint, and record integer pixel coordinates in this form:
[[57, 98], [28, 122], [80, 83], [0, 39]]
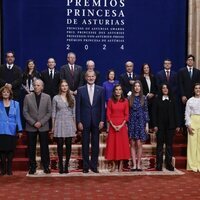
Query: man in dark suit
[[187, 77], [90, 67], [90, 111], [127, 79], [168, 76], [51, 78], [71, 73], [37, 112], [11, 75]]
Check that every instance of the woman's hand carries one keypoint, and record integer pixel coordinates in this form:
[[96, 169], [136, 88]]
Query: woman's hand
[[155, 129], [190, 130]]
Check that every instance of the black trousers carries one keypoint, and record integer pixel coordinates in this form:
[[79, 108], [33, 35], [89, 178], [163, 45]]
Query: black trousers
[[6, 158], [92, 131], [44, 149], [164, 137], [68, 144]]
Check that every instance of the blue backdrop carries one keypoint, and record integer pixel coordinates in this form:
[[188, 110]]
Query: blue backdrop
[[153, 30]]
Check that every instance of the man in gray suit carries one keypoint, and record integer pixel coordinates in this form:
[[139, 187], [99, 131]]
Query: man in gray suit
[[71, 73], [37, 112]]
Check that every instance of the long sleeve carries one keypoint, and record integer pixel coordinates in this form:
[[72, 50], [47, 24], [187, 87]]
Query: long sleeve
[[108, 113], [47, 116], [54, 103], [74, 110], [188, 113], [78, 106], [146, 110], [18, 117], [18, 81], [102, 106]]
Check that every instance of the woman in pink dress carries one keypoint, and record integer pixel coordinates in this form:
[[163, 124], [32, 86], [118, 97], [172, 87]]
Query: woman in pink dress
[[117, 148]]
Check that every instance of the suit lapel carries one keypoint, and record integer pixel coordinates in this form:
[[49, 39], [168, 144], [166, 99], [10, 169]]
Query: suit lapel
[[34, 100], [87, 94], [96, 91], [41, 103]]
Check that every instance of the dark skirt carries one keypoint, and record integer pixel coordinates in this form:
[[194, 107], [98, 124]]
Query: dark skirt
[[7, 142]]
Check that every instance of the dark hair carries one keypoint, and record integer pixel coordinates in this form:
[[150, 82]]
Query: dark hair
[[132, 97], [108, 73], [160, 94], [27, 69], [190, 56], [5, 87], [194, 87], [113, 97], [69, 98], [142, 70], [13, 53]]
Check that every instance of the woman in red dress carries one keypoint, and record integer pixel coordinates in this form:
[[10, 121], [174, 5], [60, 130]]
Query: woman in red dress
[[117, 148]]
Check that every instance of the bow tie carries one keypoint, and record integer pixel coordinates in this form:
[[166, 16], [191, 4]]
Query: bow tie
[[165, 98]]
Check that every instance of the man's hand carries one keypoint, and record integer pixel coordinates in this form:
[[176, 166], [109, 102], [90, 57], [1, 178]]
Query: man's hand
[[37, 125], [80, 126]]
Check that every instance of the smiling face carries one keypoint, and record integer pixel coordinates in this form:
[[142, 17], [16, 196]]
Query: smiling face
[[197, 90], [111, 76], [118, 91], [146, 69], [38, 86], [90, 77], [51, 63], [137, 88], [6, 94]]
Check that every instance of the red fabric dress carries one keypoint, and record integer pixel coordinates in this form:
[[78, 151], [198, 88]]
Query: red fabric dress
[[117, 147]]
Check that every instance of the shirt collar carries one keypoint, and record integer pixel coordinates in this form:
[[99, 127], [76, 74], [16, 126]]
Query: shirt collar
[[11, 66], [165, 97], [189, 68]]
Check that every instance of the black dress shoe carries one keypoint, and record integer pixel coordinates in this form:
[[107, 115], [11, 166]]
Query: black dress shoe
[[139, 169], [47, 171], [133, 169], [95, 170], [32, 171], [9, 173], [66, 170], [85, 170], [159, 168], [170, 167]]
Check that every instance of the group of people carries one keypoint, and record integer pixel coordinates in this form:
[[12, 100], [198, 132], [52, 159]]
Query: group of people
[[72, 99]]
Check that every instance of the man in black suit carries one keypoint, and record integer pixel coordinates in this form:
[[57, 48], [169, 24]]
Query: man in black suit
[[71, 73], [11, 75], [168, 76], [90, 67], [187, 77], [127, 79], [51, 78]]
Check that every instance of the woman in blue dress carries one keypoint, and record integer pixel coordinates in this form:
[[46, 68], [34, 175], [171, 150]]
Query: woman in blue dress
[[138, 123]]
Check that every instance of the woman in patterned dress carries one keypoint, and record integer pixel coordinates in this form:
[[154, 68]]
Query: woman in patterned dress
[[138, 123], [63, 123]]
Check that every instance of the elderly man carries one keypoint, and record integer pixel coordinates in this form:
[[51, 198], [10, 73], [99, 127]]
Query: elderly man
[[37, 112], [71, 73], [90, 67], [127, 79]]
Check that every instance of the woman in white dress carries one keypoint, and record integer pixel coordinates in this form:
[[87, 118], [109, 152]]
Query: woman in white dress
[[63, 123], [192, 121]]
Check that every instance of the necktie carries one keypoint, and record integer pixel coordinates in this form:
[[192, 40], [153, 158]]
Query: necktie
[[167, 75], [9, 67], [51, 74], [129, 76], [91, 95], [72, 69], [190, 72]]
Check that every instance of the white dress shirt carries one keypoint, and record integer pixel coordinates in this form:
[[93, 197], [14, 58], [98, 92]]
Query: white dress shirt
[[148, 80], [90, 89], [165, 97], [53, 71], [9, 66], [192, 108]]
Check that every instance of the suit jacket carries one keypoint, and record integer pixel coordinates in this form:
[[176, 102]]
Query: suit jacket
[[32, 113], [11, 123], [89, 114], [124, 81], [173, 80], [16, 83], [83, 81], [74, 80], [51, 86], [186, 84], [153, 88], [158, 116]]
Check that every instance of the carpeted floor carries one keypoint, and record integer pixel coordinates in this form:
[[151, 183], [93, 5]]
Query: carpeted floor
[[19, 186]]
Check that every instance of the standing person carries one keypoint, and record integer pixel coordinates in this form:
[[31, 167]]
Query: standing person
[[90, 113], [192, 121], [10, 123], [109, 84], [90, 67], [51, 78], [149, 86], [117, 147], [168, 76], [63, 123], [165, 121], [127, 79], [37, 112], [29, 75], [11, 75], [138, 123], [71, 73], [187, 77]]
